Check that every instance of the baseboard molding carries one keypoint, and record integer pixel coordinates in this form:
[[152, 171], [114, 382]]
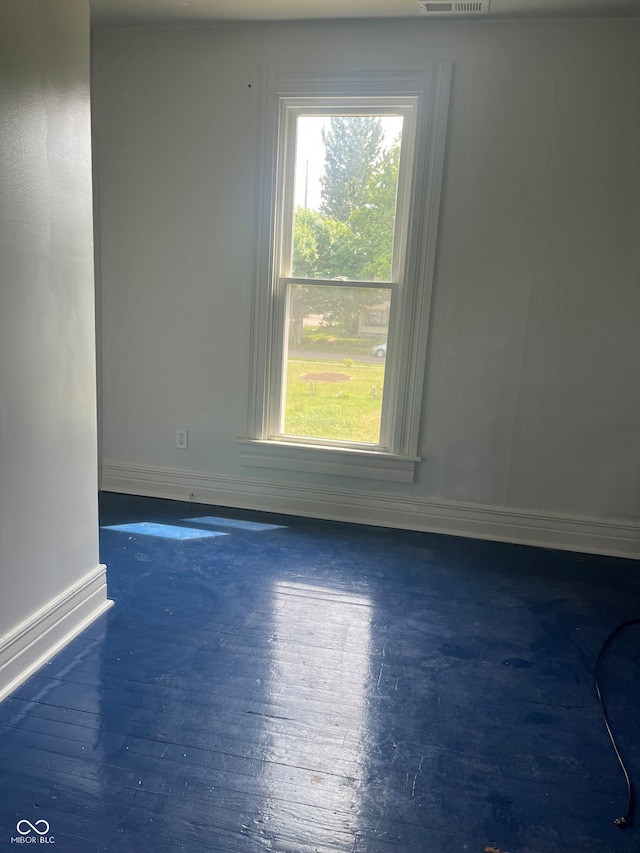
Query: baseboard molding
[[39, 637], [592, 536]]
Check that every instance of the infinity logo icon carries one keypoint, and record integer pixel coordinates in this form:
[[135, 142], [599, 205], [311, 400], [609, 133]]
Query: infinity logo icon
[[32, 827]]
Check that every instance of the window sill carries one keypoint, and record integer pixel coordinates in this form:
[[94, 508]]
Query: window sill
[[340, 461]]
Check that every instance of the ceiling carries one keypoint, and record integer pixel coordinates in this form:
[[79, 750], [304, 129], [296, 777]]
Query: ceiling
[[136, 12]]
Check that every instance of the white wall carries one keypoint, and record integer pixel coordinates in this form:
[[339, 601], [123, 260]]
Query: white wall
[[51, 583], [531, 408]]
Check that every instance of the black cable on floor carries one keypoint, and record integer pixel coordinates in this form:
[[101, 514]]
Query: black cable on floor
[[627, 818]]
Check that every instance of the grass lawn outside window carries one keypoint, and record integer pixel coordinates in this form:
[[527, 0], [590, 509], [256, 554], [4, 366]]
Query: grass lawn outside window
[[339, 400]]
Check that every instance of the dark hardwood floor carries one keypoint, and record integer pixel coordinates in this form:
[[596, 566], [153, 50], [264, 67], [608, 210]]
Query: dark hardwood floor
[[276, 684]]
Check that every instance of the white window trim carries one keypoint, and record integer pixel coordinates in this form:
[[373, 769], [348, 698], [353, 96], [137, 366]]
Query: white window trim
[[397, 461]]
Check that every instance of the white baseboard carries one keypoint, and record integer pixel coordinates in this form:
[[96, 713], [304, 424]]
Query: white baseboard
[[39, 637], [620, 539]]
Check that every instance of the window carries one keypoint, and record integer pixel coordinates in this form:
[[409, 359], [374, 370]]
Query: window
[[343, 272]]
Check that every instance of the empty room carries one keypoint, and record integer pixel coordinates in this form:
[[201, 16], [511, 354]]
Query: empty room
[[320, 426]]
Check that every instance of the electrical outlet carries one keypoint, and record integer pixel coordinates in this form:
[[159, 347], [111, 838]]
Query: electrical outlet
[[182, 438]]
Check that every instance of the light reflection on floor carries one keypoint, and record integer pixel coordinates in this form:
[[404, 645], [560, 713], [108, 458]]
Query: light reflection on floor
[[235, 523], [205, 529], [317, 689], [164, 531]]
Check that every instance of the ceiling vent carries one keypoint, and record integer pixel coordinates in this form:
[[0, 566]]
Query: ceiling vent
[[453, 7]]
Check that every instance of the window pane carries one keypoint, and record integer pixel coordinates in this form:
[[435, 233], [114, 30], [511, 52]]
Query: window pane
[[337, 345], [346, 185]]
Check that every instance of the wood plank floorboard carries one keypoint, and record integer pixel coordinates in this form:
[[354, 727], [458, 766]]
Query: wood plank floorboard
[[298, 686]]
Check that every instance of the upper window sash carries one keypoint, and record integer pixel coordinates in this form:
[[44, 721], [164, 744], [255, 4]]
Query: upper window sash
[[293, 108]]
